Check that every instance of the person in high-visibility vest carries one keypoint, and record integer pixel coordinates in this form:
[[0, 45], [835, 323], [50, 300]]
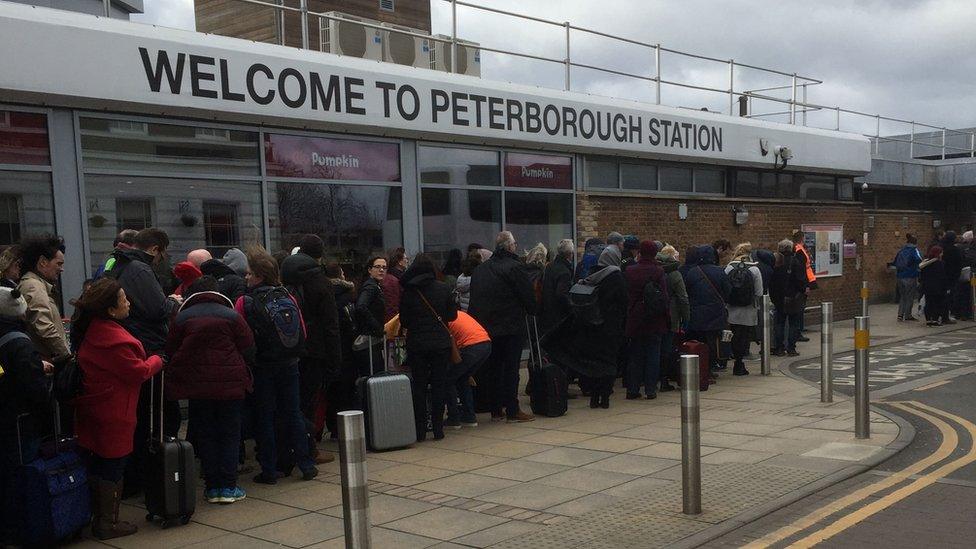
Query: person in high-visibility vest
[[799, 248]]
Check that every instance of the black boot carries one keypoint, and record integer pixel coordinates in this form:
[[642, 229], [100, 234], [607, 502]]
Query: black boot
[[739, 369], [605, 400], [594, 400]]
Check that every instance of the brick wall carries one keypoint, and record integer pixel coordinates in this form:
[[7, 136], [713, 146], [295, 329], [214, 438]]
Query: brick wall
[[710, 219]]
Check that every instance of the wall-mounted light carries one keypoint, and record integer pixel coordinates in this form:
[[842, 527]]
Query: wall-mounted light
[[682, 211], [741, 215]]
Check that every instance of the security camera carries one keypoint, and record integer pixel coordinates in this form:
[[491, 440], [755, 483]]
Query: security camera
[[783, 152], [864, 186]]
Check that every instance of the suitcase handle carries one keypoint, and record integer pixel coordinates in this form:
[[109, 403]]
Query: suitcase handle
[[152, 405], [57, 431], [535, 347], [372, 368]]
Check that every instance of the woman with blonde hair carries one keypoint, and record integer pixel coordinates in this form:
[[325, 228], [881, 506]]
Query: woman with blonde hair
[[10, 266], [535, 265], [747, 287]]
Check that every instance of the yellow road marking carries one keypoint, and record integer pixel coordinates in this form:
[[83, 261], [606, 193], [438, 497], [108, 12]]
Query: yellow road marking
[[933, 385], [950, 440], [879, 505]]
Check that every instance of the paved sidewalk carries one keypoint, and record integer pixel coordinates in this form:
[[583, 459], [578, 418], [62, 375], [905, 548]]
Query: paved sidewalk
[[592, 478]]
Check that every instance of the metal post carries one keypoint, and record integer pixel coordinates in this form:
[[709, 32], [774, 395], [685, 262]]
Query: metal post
[[304, 8], [355, 487], [793, 102], [804, 105], [107, 5], [453, 36], [690, 437], [767, 335], [943, 142], [972, 145], [877, 135], [864, 298], [862, 341], [838, 118], [568, 65], [972, 287], [911, 144], [826, 351], [280, 18], [657, 66], [731, 87]]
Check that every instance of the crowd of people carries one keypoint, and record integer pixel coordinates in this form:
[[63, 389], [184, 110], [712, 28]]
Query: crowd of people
[[270, 347], [940, 278]]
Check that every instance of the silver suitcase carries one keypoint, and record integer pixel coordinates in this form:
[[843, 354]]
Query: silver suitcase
[[387, 401]]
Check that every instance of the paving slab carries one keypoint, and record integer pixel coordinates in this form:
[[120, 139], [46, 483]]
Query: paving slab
[[445, 523]]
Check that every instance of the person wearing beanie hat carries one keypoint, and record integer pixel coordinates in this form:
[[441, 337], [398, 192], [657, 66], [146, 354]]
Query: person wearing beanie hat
[[236, 260], [229, 273], [629, 254], [188, 273], [645, 327]]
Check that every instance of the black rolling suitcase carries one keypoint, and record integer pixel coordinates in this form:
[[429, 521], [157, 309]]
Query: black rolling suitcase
[[548, 382], [170, 472]]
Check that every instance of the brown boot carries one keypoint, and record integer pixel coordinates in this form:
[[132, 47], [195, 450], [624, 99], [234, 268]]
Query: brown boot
[[106, 496]]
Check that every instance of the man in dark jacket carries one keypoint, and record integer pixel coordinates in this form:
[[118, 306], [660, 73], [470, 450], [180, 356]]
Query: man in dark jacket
[[556, 282], [952, 258], [591, 253], [788, 291], [305, 277], [645, 329], [501, 296], [148, 322], [229, 273], [339, 396], [708, 290], [906, 271], [765, 262]]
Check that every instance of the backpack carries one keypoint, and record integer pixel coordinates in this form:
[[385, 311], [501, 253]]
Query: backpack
[[743, 286], [655, 304], [584, 305], [277, 323]]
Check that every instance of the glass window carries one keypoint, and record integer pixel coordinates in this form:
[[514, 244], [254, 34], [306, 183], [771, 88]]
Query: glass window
[[453, 218], [709, 181], [541, 171], [638, 176], [455, 166], [178, 206], [354, 221], [539, 217], [26, 205], [816, 187], [778, 185], [326, 158], [153, 147], [23, 138], [133, 213], [747, 183], [676, 179], [845, 188], [602, 175], [220, 226]]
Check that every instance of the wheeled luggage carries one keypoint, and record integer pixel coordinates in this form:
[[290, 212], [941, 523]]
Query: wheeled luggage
[[387, 402], [49, 500], [548, 382], [171, 474], [692, 347]]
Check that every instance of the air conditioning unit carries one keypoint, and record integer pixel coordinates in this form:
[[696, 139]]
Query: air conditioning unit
[[350, 37], [469, 56], [404, 49]]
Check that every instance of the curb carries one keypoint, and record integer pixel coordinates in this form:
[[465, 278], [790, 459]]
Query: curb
[[906, 434]]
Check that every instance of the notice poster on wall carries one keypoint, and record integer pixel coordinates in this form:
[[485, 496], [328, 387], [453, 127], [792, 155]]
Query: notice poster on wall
[[825, 244]]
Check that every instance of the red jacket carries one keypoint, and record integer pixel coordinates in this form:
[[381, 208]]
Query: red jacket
[[637, 277], [391, 293], [113, 366], [210, 347]]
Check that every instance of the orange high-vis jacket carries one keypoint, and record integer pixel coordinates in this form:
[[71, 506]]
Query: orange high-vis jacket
[[802, 249]]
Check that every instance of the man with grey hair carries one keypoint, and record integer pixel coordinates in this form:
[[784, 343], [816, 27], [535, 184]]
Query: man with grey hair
[[556, 282], [612, 255], [501, 296]]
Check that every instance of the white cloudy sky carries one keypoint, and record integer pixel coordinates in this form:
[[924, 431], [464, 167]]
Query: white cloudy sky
[[908, 59]]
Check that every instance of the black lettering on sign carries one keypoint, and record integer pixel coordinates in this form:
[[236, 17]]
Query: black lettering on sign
[[331, 95], [478, 100], [354, 95], [407, 89], [438, 103], [513, 110], [296, 102], [655, 136], [252, 71], [155, 74], [387, 87], [457, 109], [196, 75], [225, 92]]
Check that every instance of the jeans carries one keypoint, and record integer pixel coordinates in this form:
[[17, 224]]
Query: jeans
[[473, 357], [645, 364], [503, 364], [110, 469], [429, 369], [276, 394], [217, 424], [780, 320], [907, 287]]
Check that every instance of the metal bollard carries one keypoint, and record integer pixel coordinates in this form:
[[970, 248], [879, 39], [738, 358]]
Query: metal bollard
[[862, 342], [972, 297], [864, 298], [355, 487], [826, 351], [767, 335], [690, 437]]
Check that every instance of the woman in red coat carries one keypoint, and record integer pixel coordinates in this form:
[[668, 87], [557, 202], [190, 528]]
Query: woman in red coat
[[113, 366]]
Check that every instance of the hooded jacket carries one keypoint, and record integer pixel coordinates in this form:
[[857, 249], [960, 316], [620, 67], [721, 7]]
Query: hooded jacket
[[765, 261], [637, 277], [151, 310], [745, 315], [307, 281], [210, 348], [914, 258], [591, 254], [345, 296], [680, 310], [556, 282], [426, 329], [462, 291], [23, 386], [501, 295], [229, 283], [114, 367], [708, 290]]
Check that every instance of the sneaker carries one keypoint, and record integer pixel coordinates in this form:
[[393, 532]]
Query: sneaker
[[230, 495], [632, 396], [262, 478], [910, 318], [497, 417], [803, 338], [212, 495], [792, 352], [521, 417], [472, 423], [309, 474], [452, 424], [740, 371], [665, 387], [651, 396], [778, 352], [324, 457]]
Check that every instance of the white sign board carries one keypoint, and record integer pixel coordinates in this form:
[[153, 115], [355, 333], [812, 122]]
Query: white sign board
[[825, 243], [79, 60]]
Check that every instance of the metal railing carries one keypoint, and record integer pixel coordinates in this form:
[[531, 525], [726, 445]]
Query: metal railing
[[795, 104]]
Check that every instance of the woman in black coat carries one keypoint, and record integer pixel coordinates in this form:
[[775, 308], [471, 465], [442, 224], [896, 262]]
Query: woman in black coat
[[426, 306], [370, 313], [935, 285]]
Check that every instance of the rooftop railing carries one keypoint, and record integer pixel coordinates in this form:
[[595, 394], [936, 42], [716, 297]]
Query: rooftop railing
[[795, 108]]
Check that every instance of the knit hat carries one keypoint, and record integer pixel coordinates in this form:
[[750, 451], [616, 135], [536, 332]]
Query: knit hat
[[188, 273], [648, 249], [631, 242], [12, 304], [236, 260]]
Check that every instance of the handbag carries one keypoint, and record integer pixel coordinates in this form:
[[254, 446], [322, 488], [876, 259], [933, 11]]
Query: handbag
[[455, 352]]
